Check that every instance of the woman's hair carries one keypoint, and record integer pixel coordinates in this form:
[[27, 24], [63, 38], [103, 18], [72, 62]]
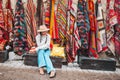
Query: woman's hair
[[40, 33], [41, 38]]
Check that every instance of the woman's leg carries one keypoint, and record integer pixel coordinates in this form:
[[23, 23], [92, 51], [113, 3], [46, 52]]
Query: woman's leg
[[41, 59], [49, 65]]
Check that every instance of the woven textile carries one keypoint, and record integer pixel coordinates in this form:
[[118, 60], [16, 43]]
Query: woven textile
[[93, 30], [74, 29], [53, 22], [8, 16], [83, 23], [2, 22], [39, 13], [2, 44], [117, 28], [111, 21], [5, 20], [83, 26], [31, 23], [61, 17], [101, 37], [47, 13], [20, 41]]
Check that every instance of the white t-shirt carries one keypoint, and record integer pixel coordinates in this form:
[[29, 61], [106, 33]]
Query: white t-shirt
[[43, 42]]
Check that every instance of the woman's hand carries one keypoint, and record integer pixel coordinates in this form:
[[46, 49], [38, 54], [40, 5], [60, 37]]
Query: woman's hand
[[32, 50]]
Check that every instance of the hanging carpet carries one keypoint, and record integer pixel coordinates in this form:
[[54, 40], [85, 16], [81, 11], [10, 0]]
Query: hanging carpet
[[111, 21], [31, 23], [117, 29], [20, 30], [83, 26]]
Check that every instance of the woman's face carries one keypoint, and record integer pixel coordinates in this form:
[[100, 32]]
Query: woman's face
[[44, 33]]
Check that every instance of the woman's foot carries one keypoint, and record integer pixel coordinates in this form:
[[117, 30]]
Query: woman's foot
[[41, 71], [52, 74]]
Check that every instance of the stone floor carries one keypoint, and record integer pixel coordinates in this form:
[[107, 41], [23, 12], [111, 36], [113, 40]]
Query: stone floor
[[18, 63], [69, 67], [68, 72]]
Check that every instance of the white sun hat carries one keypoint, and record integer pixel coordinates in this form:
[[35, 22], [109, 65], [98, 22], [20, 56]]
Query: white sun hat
[[43, 28]]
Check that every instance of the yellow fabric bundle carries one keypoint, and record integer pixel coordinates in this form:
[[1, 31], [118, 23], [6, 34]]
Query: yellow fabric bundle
[[58, 52], [55, 45]]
